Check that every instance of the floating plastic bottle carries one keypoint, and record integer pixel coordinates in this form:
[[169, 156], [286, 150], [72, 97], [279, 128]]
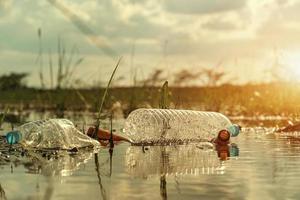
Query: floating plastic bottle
[[50, 134], [146, 125]]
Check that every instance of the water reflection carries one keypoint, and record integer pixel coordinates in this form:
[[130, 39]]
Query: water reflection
[[101, 187], [181, 160], [45, 162], [193, 159], [62, 164], [2, 194], [99, 170], [51, 164]]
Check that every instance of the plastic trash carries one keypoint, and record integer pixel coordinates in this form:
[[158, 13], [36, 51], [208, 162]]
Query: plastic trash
[[50, 134], [181, 125]]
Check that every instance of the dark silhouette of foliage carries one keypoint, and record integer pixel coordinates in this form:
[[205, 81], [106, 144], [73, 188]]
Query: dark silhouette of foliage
[[213, 77], [154, 79], [13, 81], [185, 76]]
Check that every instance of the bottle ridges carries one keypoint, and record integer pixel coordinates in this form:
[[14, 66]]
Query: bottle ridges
[[170, 124]]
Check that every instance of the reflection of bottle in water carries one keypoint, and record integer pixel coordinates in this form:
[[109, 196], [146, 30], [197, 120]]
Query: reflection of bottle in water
[[51, 133], [226, 151], [170, 124], [53, 165], [173, 160]]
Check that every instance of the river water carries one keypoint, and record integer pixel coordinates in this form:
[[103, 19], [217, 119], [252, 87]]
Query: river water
[[263, 165]]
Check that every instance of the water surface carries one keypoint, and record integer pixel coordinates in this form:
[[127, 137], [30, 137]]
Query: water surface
[[266, 168]]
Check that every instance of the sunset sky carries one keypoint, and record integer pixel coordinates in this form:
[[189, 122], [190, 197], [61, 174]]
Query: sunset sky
[[246, 38]]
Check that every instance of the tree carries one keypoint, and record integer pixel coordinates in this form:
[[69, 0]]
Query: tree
[[13, 81], [154, 79], [213, 76], [185, 76]]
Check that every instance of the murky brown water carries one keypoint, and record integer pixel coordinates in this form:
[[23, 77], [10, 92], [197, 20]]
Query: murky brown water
[[267, 167]]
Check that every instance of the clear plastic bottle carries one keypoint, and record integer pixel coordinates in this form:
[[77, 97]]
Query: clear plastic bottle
[[170, 124], [50, 134]]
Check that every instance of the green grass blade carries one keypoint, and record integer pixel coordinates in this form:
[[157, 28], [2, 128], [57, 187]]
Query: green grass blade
[[82, 98], [3, 115], [51, 69], [68, 63], [105, 93], [68, 77], [60, 67], [164, 101]]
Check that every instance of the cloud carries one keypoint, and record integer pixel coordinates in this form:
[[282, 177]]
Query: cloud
[[5, 5], [281, 26], [5, 8], [188, 33], [203, 6], [81, 24], [220, 25]]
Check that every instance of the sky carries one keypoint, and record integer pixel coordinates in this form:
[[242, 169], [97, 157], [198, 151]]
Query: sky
[[247, 39]]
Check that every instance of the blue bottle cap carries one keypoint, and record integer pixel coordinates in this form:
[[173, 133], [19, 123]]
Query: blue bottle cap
[[13, 137], [234, 130]]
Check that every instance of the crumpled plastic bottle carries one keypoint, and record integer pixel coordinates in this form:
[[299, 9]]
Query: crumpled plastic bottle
[[50, 134]]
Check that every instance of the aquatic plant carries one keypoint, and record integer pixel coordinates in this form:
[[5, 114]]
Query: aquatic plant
[[104, 98], [66, 64], [39, 59], [2, 116], [164, 102]]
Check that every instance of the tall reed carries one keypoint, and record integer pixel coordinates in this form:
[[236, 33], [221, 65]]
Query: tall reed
[[95, 135], [164, 101], [6, 109]]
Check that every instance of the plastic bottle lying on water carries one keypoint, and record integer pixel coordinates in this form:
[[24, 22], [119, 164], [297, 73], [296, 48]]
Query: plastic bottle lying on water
[[145, 125], [50, 134]]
